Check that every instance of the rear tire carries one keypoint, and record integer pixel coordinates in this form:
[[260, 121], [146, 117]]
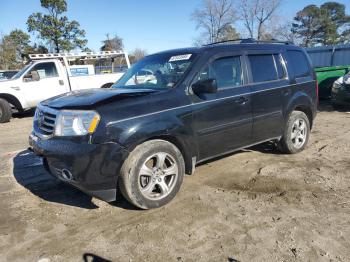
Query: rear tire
[[296, 133], [152, 174], [5, 111]]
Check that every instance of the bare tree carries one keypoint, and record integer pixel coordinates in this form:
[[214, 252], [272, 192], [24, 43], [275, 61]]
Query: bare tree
[[137, 54], [256, 13], [112, 44], [283, 31], [229, 33], [213, 18]]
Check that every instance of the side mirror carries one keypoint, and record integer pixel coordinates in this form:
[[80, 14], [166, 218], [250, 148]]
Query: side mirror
[[206, 86], [32, 76], [35, 76]]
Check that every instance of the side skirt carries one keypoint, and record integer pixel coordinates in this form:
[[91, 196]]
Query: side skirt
[[237, 149]]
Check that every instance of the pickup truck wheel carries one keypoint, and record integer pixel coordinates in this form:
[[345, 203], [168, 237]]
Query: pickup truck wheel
[[5, 111], [152, 174], [296, 133], [108, 85]]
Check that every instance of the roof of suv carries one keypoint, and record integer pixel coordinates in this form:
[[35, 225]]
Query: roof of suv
[[233, 46]]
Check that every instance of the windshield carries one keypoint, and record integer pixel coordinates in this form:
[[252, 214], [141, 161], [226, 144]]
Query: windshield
[[21, 72], [156, 71]]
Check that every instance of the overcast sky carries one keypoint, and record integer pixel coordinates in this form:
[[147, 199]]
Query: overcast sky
[[153, 25]]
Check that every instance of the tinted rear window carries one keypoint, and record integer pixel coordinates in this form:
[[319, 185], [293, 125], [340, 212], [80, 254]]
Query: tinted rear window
[[263, 68], [299, 63]]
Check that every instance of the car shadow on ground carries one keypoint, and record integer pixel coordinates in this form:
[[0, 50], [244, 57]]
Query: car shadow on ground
[[29, 172], [121, 202], [89, 257], [266, 148], [24, 114], [325, 105]]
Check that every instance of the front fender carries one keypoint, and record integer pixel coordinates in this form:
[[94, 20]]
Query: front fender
[[130, 133], [11, 90]]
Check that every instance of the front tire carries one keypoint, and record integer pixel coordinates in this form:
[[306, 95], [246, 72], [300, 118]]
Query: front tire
[[296, 133], [5, 111], [152, 174]]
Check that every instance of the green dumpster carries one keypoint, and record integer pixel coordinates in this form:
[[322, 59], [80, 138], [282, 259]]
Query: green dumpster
[[326, 77]]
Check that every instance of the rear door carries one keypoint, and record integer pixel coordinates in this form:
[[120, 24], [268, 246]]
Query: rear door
[[223, 120], [267, 78], [301, 76]]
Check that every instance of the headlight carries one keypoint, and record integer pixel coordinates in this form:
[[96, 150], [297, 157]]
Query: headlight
[[76, 123], [338, 86]]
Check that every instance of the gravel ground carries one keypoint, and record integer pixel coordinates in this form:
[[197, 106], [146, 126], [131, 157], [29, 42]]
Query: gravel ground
[[254, 205]]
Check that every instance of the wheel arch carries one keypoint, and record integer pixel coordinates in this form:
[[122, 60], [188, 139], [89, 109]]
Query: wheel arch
[[185, 148], [167, 127], [12, 100], [307, 111], [181, 145], [107, 85], [300, 102]]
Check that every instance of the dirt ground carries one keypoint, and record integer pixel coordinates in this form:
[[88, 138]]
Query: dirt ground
[[254, 205]]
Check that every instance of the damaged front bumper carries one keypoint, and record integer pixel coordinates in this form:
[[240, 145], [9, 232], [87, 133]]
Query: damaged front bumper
[[93, 168]]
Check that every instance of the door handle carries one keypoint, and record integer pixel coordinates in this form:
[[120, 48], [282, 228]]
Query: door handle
[[61, 82], [242, 100]]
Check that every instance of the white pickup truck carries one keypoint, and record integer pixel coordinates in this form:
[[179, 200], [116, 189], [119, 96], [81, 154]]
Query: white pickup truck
[[49, 75]]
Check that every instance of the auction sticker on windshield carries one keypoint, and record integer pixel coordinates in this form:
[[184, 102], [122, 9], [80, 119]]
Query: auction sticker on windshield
[[180, 57]]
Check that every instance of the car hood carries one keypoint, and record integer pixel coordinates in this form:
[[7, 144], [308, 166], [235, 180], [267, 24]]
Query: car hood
[[90, 97]]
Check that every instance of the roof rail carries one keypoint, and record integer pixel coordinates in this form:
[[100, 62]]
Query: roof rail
[[251, 41]]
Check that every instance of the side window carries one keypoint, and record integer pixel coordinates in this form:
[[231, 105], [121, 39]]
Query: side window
[[281, 73], [142, 73], [297, 60], [263, 68], [226, 71], [46, 70]]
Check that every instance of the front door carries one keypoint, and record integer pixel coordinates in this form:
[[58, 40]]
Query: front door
[[48, 84], [223, 120]]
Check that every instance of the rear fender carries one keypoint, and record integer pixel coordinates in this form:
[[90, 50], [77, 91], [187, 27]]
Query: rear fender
[[300, 101]]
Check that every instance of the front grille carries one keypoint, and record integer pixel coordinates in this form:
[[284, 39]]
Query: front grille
[[45, 120]]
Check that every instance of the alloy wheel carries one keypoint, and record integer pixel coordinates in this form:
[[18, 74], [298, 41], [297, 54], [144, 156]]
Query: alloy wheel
[[158, 176], [299, 133]]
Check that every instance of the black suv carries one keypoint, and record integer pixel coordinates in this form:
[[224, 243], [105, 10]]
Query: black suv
[[173, 110]]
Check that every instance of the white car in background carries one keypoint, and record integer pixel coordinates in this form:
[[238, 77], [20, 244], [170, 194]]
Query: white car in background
[[144, 76], [49, 75]]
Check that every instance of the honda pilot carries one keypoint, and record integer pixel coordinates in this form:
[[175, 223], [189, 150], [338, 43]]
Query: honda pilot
[[173, 110]]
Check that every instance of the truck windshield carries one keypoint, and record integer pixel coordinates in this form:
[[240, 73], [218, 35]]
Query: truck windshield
[[156, 71], [21, 72]]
